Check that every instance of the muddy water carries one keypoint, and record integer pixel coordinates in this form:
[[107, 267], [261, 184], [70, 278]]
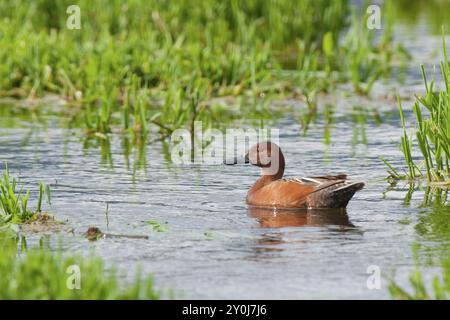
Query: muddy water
[[213, 246]]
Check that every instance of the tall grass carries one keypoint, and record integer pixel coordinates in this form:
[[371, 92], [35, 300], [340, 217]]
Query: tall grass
[[432, 130]]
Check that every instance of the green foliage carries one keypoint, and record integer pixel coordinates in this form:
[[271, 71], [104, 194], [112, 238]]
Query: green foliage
[[14, 204], [41, 274], [365, 60], [432, 130], [142, 62]]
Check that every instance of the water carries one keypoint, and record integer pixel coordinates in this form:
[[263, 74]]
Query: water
[[214, 247]]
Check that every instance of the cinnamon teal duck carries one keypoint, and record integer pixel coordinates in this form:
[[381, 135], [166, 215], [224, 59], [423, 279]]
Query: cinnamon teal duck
[[274, 191]]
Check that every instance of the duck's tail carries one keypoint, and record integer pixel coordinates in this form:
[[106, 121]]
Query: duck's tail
[[336, 194]]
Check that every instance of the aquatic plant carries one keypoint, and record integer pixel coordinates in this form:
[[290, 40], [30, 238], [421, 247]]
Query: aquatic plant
[[432, 130], [14, 203], [39, 273], [156, 226]]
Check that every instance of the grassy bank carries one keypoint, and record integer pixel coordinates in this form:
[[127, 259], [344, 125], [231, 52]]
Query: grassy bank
[[40, 274], [145, 64]]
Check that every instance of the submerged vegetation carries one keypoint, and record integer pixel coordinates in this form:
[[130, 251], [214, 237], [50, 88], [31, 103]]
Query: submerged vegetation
[[41, 274], [145, 64], [432, 131], [432, 223], [438, 289]]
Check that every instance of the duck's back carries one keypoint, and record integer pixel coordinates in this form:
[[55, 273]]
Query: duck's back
[[310, 192]]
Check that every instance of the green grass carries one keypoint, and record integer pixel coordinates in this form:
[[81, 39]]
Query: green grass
[[140, 65], [40, 274], [432, 131], [14, 201], [366, 61]]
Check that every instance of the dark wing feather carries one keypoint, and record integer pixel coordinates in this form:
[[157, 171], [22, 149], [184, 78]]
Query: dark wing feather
[[329, 191]]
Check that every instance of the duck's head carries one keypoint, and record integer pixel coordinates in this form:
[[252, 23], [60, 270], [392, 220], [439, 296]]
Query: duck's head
[[260, 154], [268, 156]]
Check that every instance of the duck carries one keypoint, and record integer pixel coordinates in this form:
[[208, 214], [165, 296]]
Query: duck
[[271, 190]]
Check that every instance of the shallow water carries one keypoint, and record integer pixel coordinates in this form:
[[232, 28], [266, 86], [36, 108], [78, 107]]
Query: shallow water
[[214, 247]]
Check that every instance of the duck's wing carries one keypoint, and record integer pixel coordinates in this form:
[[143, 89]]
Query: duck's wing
[[329, 191], [318, 183], [314, 192]]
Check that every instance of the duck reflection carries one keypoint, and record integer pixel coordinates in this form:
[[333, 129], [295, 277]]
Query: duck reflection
[[276, 239], [280, 218]]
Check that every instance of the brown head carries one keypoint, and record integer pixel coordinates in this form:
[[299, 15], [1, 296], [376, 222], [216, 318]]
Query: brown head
[[268, 156]]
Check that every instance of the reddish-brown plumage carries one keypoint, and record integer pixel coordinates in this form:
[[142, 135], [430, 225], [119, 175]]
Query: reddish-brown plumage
[[272, 191], [279, 194]]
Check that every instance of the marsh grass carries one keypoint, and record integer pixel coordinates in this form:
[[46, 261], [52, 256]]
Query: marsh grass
[[38, 273], [432, 130], [139, 64], [369, 58], [14, 201]]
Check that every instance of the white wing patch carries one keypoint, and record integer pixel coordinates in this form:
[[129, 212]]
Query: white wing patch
[[311, 180], [302, 180], [320, 181]]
